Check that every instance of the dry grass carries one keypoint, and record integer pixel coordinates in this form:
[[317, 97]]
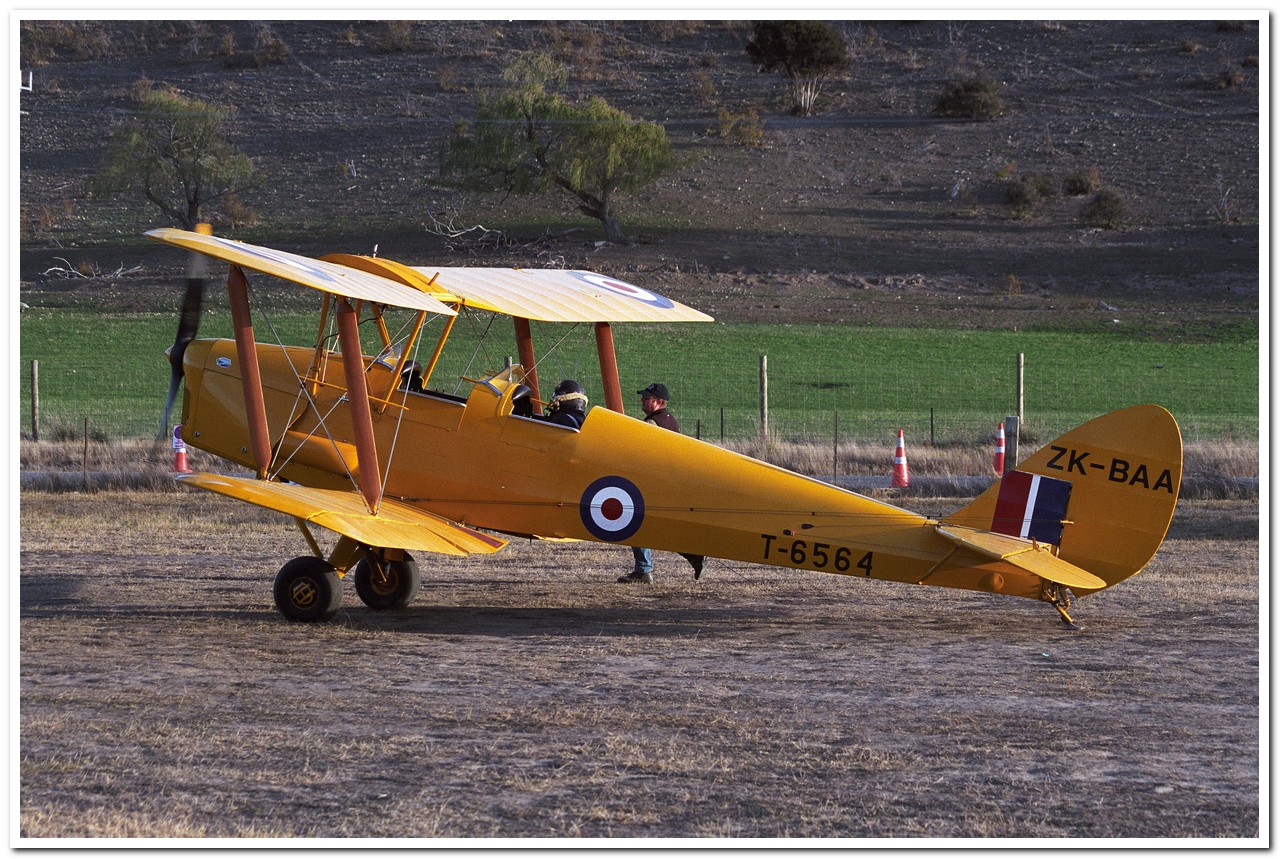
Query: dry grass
[[1222, 459], [1209, 470], [525, 695]]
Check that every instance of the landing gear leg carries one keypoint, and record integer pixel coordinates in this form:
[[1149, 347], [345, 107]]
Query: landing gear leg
[[1059, 596]]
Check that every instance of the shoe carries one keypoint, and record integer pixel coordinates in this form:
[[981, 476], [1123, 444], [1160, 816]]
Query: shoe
[[643, 578]]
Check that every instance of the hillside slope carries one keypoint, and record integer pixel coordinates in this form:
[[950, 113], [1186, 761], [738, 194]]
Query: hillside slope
[[872, 211]]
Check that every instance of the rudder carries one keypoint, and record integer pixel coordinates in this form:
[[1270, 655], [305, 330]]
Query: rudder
[[1125, 471]]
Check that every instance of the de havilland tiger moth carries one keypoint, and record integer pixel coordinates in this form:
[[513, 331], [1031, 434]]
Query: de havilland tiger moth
[[367, 447]]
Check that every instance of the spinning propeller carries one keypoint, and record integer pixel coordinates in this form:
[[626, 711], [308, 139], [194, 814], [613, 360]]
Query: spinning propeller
[[188, 324]]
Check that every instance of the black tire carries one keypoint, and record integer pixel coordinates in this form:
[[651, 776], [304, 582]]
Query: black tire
[[308, 590], [382, 584]]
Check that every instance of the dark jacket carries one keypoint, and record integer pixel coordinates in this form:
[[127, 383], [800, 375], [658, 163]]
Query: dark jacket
[[567, 417], [664, 419]]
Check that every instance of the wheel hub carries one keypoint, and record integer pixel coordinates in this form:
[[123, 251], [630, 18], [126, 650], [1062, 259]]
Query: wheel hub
[[303, 592]]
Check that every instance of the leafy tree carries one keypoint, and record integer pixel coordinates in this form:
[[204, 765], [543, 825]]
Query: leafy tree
[[807, 52], [529, 137], [175, 151]]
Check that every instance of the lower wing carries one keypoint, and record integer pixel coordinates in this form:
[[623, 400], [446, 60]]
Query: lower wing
[[395, 526]]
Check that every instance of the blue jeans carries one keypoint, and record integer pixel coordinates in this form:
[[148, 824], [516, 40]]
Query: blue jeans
[[644, 559]]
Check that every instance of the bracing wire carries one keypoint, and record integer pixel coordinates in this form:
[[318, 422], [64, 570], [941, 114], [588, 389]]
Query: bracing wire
[[293, 415], [404, 407], [480, 343]]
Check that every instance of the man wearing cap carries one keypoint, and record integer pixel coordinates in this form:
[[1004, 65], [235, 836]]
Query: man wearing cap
[[653, 400]]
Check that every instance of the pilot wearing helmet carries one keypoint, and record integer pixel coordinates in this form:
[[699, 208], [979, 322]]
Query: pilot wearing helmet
[[568, 407], [411, 377]]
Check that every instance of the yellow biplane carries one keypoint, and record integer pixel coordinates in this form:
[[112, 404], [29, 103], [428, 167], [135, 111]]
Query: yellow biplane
[[362, 445]]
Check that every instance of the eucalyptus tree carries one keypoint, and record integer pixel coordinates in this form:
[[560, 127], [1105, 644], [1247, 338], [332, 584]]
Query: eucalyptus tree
[[175, 151], [529, 137]]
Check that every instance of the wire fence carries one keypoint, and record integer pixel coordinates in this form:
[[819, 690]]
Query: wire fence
[[835, 387]]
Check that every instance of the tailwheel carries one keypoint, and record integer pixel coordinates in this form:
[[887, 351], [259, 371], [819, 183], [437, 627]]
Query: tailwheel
[[1060, 597], [308, 590], [385, 584]]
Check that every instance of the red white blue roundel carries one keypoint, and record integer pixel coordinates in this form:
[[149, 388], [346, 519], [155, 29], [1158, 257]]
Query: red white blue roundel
[[621, 287], [612, 508]]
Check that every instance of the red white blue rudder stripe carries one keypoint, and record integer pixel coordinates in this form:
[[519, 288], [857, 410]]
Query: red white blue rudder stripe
[[1032, 506]]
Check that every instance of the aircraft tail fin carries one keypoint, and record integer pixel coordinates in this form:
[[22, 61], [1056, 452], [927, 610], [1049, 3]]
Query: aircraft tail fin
[[1104, 493]]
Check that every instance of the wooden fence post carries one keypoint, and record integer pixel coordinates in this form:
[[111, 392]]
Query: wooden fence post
[[1011, 423], [764, 396], [1021, 416], [835, 446], [35, 400]]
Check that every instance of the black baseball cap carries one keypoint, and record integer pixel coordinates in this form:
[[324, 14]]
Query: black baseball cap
[[656, 390]]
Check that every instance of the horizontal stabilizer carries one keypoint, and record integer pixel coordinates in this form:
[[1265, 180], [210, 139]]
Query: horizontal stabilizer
[[396, 525], [1031, 557]]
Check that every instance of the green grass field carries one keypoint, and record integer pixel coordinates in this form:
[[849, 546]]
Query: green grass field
[[944, 386]]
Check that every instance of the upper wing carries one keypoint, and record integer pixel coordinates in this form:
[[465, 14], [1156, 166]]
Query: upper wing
[[547, 295], [560, 295], [396, 526], [542, 294], [317, 274]]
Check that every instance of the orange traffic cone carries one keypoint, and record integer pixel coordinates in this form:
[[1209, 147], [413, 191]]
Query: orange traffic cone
[[179, 452], [997, 464], [900, 475]]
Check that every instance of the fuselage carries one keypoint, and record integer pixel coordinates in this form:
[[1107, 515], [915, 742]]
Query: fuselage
[[616, 480]]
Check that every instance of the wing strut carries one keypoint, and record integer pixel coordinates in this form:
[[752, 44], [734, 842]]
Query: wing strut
[[524, 344], [367, 469], [609, 368], [255, 408]]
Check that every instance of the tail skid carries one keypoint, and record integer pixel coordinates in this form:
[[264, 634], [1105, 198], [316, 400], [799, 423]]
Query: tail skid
[[1117, 476]]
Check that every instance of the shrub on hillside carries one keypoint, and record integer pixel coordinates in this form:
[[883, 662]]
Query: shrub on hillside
[[1027, 192], [703, 88], [971, 99], [1227, 79], [1082, 182], [396, 38], [269, 49], [744, 128], [1107, 208], [808, 53], [42, 41]]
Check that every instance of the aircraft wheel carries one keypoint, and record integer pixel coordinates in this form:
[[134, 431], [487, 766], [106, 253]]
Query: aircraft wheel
[[308, 590], [383, 584]]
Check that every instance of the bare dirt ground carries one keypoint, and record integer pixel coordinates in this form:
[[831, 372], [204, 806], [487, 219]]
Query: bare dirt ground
[[527, 696]]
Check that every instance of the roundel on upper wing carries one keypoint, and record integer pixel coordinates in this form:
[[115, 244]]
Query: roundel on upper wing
[[612, 508], [621, 287]]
